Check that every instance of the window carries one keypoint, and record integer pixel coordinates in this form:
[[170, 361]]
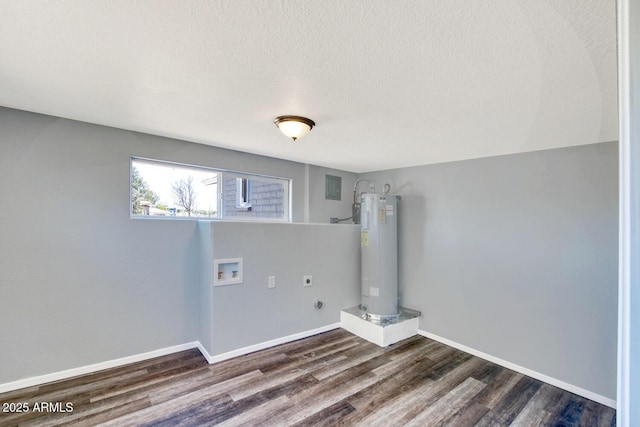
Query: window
[[243, 194], [163, 189]]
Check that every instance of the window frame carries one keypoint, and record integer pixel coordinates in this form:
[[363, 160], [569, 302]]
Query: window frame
[[221, 175]]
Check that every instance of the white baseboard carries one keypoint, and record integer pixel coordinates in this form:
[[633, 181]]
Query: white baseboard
[[266, 344], [88, 369], [528, 372], [204, 352]]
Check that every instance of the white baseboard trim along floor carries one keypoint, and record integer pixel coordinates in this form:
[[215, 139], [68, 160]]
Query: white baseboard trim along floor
[[525, 371], [88, 369]]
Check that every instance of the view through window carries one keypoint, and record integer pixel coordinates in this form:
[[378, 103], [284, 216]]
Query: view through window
[[181, 191]]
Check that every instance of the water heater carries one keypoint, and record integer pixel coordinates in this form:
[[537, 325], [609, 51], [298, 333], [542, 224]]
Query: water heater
[[379, 252]]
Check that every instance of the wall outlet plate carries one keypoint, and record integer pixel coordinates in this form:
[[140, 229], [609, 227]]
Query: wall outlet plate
[[307, 281], [271, 282]]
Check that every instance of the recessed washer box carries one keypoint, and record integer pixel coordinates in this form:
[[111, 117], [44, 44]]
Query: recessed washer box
[[227, 271]]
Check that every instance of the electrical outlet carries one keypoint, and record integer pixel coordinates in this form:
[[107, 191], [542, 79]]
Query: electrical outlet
[[271, 282], [307, 281]]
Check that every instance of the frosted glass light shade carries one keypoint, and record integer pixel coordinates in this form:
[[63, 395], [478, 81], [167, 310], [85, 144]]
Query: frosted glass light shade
[[294, 126]]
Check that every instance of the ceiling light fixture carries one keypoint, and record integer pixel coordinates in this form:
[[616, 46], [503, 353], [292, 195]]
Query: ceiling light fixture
[[294, 126]]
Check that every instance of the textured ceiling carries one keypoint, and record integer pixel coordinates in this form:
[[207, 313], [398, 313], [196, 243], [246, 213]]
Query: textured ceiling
[[389, 83]]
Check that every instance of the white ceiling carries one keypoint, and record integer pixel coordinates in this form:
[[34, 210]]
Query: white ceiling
[[390, 83]]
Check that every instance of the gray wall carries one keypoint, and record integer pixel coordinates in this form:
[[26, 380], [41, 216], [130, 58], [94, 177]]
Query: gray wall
[[516, 256], [240, 315], [322, 209], [80, 281]]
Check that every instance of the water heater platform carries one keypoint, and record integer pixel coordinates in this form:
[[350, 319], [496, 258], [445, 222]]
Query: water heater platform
[[384, 334]]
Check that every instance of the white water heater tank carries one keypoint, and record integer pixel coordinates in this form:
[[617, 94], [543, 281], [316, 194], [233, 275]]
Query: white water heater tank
[[379, 252]]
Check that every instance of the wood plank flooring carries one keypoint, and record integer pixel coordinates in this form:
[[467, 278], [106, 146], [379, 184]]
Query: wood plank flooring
[[331, 379]]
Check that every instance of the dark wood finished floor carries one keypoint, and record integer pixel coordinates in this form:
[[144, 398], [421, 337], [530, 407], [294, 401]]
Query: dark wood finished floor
[[330, 379]]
